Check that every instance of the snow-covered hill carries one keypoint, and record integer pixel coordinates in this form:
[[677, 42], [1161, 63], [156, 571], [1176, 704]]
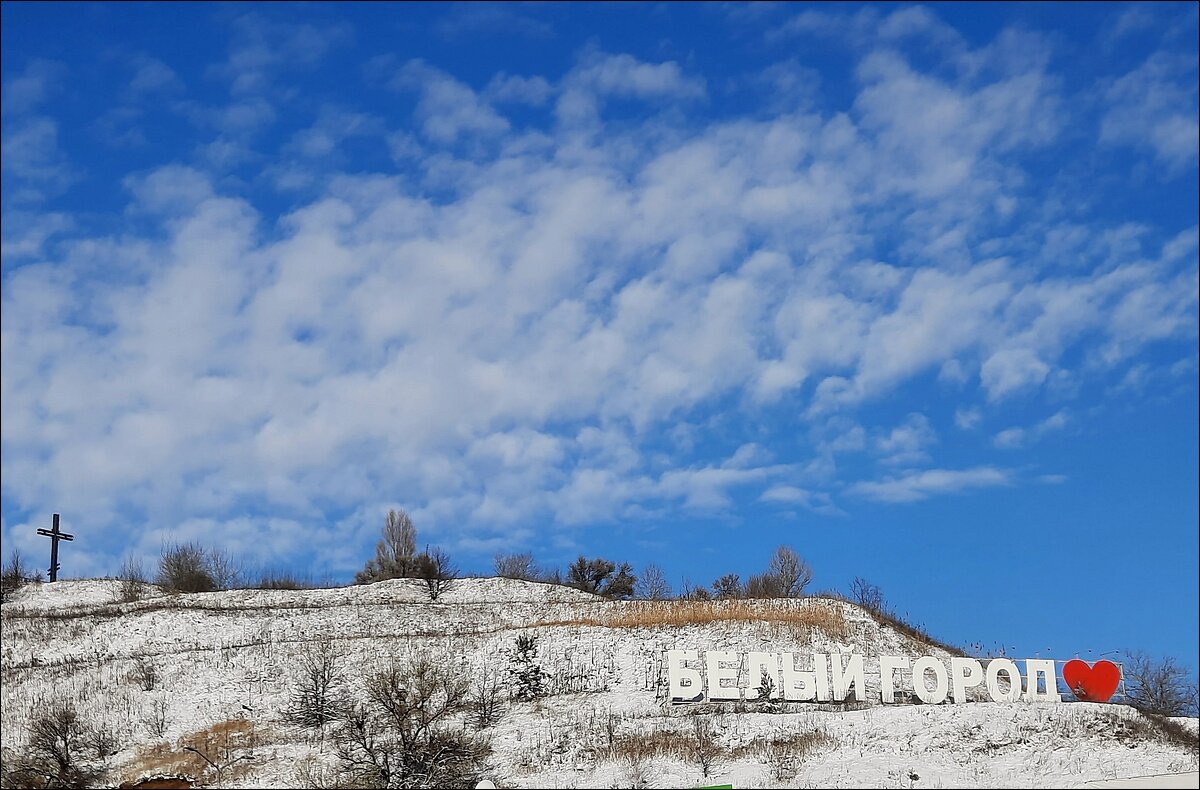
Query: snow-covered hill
[[217, 668]]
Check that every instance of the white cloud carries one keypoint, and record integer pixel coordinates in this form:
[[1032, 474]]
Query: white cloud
[[600, 75], [967, 418], [906, 443], [448, 109], [555, 338], [916, 486], [1012, 438], [33, 86], [1154, 106]]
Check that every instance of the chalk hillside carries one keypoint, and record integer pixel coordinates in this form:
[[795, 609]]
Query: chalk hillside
[[216, 672]]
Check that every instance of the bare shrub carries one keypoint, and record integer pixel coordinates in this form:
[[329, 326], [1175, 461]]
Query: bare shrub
[[1158, 686], [487, 699], [764, 585], [395, 553], [57, 740], [517, 566], [704, 748], [15, 575], [784, 751], [866, 595], [313, 774], [133, 579], [317, 696], [183, 568], [101, 739], [145, 673], [407, 733], [155, 719], [283, 580], [636, 772], [652, 585]]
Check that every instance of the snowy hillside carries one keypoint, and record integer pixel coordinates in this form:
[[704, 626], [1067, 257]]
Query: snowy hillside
[[215, 671]]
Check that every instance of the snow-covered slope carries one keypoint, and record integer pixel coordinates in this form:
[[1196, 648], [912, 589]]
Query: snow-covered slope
[[223, 665]]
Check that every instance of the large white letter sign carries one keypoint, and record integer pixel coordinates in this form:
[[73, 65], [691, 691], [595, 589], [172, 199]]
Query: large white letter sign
[[685, 684], [715, 673], [852, 675], [756, 665], [733, 676], [888, 665], [797, 686], [994, 668], [965, 673], [1040, 672], [920, 667]]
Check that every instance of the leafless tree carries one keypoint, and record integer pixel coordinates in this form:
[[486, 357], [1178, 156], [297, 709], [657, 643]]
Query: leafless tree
[[156, 719], [704, 747], [395, 553], [15, 574], [791, 571], [1158, 686], [438, 573], [517, 566], [652, 585], [57, 739], [866, 595], [728, 586], [317, 697], [407, 732]]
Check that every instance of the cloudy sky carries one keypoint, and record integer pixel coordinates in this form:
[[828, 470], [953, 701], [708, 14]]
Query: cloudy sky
[[910, 288]]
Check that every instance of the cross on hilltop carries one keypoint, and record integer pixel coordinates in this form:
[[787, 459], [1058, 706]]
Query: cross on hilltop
[[55, 536]]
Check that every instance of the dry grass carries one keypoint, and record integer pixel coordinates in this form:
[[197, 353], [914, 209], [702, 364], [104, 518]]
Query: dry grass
[[220, 743], [657, 743], [796, 617]]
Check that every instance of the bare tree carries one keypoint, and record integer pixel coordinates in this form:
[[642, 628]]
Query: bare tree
[[517, 566], [395, 553], [866, 595], [156, 719], [407, 733], [56, 741], [15, 574], [728, 586], [317, 696], [435, 568], [652, 585], [791, 571], [1158, 686]]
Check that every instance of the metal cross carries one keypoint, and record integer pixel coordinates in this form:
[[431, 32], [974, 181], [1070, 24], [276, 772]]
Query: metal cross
[[55, 536]]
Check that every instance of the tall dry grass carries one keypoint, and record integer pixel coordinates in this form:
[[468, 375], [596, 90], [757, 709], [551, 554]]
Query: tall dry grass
[[794, 616]]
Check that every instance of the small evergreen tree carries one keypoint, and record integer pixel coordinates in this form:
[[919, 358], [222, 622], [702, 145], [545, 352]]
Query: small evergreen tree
[[529, 680]]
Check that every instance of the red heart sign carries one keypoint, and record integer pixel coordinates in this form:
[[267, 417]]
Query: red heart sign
[[1096, 683]]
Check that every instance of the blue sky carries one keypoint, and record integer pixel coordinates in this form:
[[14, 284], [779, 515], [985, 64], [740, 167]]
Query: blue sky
[[910, 288]]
